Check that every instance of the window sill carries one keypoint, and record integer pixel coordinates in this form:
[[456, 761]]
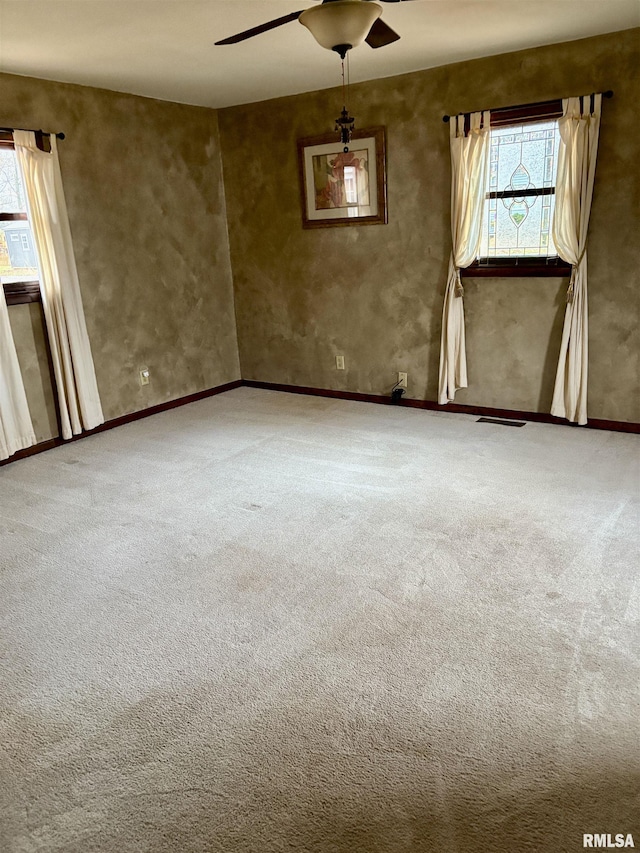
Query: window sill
[[517, 268], [22, 292]]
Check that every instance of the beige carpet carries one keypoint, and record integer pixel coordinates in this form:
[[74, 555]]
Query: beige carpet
[[266, 623]]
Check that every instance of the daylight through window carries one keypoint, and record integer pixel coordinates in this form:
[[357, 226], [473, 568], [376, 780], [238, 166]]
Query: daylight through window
[[520, 195], [18, 261]]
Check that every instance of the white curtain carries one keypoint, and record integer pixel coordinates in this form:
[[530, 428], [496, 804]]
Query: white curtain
[[579, 131], [77, 390], [16, 430], [469, 165]]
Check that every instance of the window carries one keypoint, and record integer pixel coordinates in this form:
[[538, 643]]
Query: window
[[520, 194], [18, 262]]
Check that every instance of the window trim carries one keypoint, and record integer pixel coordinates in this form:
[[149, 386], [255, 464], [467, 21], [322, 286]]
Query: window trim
[[517, 268], [18, 292], [22, 292], [521, 266]]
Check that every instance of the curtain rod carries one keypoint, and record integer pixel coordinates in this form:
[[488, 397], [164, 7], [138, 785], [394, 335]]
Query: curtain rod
[[31, 130], [607, 94]]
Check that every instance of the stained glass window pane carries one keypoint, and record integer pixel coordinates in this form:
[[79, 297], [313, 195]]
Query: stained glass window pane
[[522, 157]]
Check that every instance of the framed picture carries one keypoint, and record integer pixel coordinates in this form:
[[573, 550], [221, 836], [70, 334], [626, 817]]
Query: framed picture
[[343, 188]]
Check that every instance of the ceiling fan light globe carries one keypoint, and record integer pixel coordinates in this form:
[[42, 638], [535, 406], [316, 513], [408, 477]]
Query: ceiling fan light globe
[[341, 22]]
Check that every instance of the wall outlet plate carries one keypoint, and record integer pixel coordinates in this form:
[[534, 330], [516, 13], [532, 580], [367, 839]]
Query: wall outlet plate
[[144, 376], [339, 362], [402, 380]]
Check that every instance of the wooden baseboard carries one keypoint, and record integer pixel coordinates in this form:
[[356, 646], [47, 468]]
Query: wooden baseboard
[[431, 405], [481, 411], [50, 443]]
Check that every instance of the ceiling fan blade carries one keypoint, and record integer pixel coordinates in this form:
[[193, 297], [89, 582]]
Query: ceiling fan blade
[[262, 28], [381, 34]]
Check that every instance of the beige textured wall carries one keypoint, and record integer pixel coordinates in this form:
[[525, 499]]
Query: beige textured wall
[[375, 293], [143, 184]]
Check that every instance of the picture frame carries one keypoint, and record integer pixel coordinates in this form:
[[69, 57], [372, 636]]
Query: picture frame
[[343, 188]]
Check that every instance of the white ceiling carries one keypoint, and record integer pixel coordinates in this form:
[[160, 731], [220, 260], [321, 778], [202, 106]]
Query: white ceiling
[[165, 48]]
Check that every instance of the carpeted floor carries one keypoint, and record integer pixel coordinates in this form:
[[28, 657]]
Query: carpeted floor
[[266, 622]]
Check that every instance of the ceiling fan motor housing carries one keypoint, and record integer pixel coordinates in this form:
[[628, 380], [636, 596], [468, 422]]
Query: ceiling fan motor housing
[[340, 24]]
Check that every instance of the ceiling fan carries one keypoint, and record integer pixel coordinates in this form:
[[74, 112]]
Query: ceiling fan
[[335, 24]]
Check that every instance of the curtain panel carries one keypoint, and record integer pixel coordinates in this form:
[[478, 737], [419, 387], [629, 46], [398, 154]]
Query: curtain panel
[[469, 165], [76, 387], [16, 430], [579, 131]]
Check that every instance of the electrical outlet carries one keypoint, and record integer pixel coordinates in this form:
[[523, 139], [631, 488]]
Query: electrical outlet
[[339, 362], [144, 376], [402, 380]]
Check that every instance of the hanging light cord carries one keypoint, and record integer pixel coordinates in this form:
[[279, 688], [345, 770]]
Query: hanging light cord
[[345, 86], [345, 123]]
